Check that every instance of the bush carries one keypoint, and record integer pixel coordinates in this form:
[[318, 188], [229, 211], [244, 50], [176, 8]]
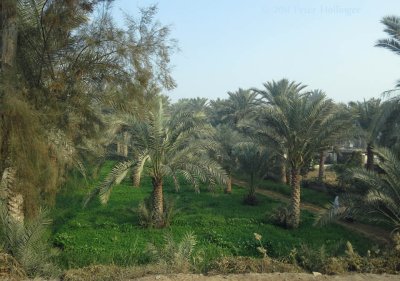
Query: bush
[[279, 216], [250, 199], [175, 256], [27, 242], [310, 259], [145, 212]]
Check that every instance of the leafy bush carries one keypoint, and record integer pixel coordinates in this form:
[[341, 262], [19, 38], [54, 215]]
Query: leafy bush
[[310, 259], [145, 212], [279, 216], [175, 256], [250, 199], [28, 243]]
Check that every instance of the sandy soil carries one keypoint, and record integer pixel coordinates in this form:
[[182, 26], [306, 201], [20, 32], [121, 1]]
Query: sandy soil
[[272, 277]]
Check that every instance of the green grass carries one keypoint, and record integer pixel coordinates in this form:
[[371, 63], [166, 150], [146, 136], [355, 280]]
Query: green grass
[[111, 235]]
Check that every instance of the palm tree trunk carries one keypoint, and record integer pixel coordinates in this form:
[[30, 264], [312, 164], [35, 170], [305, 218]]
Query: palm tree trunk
[[283, 172], [9, 35], [228, 187], [136, 182], [288, 177], [252, 190], [294, 218], [125, 145], [321, 167], [119, 148], [4, 145], [158, 203], [370, 157], [14, 201]]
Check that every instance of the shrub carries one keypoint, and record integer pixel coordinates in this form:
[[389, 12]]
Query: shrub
[[310, 259], [145, 212], [353, 259], [175, 256], [27, 242], [250, 199], [279, 216]]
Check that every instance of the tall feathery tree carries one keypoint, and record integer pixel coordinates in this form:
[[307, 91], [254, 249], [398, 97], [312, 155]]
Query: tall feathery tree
[[167, 146], [57, 68]]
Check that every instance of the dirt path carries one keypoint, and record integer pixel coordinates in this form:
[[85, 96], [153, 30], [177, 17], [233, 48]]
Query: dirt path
[[372, 232], [272, 277]]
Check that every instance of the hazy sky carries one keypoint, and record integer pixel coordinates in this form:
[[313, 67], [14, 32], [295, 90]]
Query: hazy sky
[[324, 44]]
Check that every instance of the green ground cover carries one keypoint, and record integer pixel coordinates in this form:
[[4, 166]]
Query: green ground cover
[[223, 225]]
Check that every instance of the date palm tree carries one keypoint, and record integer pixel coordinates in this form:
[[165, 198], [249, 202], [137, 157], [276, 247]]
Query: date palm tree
[[167, 146], [239, 106], [253, 161], [271, 95], [227, 138], [369, 119], [300, 121]]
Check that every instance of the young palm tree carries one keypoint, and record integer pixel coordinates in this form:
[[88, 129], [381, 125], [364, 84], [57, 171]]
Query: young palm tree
[[253, 160], [167, 146], [227, 138], [300, 122], [369, 119]]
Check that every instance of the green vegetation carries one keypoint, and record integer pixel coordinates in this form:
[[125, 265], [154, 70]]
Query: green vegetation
[[111, 234]]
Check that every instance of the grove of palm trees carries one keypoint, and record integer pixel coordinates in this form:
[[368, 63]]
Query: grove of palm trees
[[105, 177]]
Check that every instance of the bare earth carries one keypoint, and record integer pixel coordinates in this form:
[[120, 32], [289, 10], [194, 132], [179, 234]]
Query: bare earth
[[271, 277]]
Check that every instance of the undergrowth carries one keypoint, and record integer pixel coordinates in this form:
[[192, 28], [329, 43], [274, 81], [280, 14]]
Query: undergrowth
[[112, 234]]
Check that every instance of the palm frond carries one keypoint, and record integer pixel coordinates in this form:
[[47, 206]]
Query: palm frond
[[117, 174], [138, 167]]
